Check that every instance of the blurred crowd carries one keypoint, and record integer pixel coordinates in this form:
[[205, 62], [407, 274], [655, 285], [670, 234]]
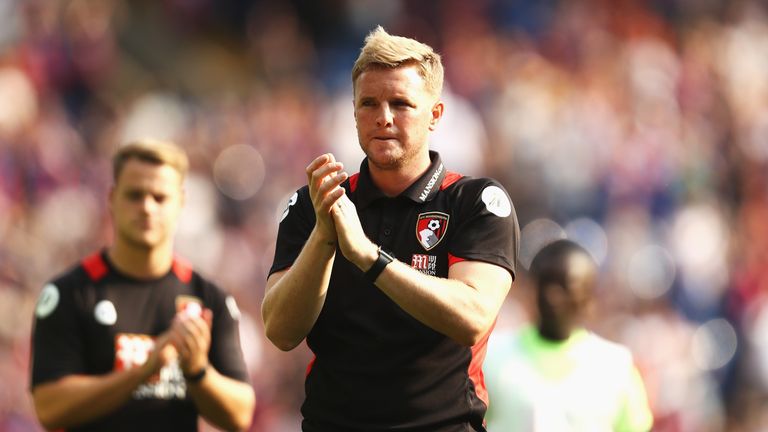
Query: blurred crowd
[[638, 128]]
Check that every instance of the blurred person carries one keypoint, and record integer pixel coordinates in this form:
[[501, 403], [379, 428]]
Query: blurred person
[[558, 376], [132, 338], [396, 274]]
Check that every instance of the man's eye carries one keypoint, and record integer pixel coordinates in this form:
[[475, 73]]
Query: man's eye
[[134, 196], [159, 198]]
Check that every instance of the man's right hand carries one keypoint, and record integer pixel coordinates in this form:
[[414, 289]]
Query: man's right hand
[[324, 178], [163, 353]]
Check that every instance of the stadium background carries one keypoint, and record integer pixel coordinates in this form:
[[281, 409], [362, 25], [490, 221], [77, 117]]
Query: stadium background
[[637, 127]]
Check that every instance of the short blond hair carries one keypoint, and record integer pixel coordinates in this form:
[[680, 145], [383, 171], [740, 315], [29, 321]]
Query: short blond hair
[[152, 151], [383, 50]]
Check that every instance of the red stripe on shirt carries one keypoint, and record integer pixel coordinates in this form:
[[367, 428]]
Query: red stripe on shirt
[[452, 259], [182, 269], [353, 182], [95, 266], [475, 369], [309, 366], [449, 179]]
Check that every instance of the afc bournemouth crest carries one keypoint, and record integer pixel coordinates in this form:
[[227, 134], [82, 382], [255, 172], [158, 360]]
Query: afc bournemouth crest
[[431, 228]]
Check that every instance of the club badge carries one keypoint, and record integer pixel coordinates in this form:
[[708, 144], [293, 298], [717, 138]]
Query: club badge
[[431, 228], [189, 305]]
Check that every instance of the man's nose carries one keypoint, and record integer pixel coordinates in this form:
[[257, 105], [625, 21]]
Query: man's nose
[[147, 203], [384, 118]]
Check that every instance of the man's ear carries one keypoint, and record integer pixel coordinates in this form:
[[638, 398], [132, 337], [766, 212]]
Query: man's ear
[[437, 114]]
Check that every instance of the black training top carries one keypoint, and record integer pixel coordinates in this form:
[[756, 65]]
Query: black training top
[[376, 367], [94, 320]]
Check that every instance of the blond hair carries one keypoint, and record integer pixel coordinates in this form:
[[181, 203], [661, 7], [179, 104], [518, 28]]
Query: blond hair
[[383, 50], [152, 151]]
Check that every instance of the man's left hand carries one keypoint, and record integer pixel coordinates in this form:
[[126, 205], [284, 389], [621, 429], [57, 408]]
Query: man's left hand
[[353, 242], [191, 334]]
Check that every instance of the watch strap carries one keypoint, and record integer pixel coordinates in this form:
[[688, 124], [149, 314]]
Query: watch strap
[[197, 376], [378, 266]]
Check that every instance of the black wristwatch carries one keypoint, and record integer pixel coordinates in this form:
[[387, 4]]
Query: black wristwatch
[[197, 376], [378, 266]]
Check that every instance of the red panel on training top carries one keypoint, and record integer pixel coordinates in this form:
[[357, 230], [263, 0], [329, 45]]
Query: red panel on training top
[[454, 259], [476, 366], [95, 266], [353, 182], [182, 269], [450, 178]]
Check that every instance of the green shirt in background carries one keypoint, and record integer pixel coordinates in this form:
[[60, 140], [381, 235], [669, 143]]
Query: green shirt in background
[[585, 383]]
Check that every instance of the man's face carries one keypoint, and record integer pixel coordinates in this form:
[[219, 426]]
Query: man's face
[[394, 114], [145, 204]]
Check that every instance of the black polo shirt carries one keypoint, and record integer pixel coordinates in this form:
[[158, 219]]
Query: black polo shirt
[[93, 320], [376, 367]]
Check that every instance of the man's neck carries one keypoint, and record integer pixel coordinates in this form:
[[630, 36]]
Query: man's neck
[[139, 262], [394, 181], [555, 334]]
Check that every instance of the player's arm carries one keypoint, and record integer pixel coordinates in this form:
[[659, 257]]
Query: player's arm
[[634, 413], [294, 297], [223, 401], [76, 399], [464, 306]]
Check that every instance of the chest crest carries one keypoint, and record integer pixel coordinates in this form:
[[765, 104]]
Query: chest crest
[[431, 228]]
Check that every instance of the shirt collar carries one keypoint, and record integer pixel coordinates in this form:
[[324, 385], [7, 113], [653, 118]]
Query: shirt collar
[[422, 190]]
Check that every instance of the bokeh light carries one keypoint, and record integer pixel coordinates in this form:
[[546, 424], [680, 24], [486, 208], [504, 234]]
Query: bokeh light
[[239, 171], [651, 272], [535, 235], [590, 235], [714, 344]]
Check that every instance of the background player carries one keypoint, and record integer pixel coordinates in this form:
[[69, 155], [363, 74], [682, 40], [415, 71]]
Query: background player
[[557, 376], [132, 338]]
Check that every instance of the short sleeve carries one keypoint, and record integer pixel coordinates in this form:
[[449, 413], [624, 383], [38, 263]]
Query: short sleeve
[[634, 414], [488, 229], [57, 339], [296, 224], [226, 354]]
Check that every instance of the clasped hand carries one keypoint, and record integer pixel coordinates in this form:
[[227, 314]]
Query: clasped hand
[[188, 340], [336, 215]]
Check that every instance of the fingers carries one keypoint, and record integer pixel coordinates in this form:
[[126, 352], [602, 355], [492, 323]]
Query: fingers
[[320, 161], [327, 177], [319, 170], [191, 335], [321, 167], [324, 178]]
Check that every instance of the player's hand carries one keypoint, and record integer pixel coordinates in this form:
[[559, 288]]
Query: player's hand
[[163, 353], [354, 244], [324, 177], [191, 335]]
